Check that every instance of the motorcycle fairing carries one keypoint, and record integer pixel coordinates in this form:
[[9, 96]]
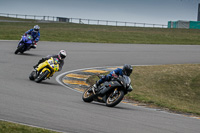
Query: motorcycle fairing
[[46, 66], [26, 42], [43, 65], [108, 86]]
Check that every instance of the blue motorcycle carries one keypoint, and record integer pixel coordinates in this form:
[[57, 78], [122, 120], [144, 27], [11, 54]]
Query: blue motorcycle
[[24, 44]]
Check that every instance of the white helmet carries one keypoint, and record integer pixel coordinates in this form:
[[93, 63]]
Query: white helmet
[[36, 28], [62, 54]]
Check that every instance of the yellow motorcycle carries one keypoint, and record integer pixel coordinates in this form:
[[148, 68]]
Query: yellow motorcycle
[[45, 70]]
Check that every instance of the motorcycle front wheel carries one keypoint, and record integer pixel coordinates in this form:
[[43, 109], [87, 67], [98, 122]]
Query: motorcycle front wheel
[[19, 49], [41, 76], [114, 98], [88, 96], [32, 75]]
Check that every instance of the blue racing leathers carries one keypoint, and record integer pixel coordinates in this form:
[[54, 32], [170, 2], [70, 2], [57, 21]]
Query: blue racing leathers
[[35, 35], [108, 77]]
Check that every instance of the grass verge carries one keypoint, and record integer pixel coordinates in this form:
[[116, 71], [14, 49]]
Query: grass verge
[[173, 87], [69, 32], [8, 127]]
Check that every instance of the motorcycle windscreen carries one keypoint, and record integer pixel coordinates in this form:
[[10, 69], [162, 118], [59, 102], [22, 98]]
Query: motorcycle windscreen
[[127, 81]]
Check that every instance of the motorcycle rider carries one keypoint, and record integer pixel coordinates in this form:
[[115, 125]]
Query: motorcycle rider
[[126, 70], [35, 33], [60, 56]]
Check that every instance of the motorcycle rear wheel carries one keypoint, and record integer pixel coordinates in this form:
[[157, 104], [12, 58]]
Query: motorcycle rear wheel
[[114, 100], [41, 76], [87, 96]]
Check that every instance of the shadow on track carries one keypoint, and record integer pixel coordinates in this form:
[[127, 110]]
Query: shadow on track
[[45, 83], [29, 54], [49, 83], [118, 107]]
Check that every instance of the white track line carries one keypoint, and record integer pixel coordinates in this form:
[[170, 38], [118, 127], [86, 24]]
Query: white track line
[[65, 73]]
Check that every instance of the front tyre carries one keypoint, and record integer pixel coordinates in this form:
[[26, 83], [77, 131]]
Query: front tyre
[[114, 98], [19, 49], [42, 76], [32, 75], [87, 95]]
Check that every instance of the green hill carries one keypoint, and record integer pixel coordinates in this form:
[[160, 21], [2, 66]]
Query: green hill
[[71, 32]]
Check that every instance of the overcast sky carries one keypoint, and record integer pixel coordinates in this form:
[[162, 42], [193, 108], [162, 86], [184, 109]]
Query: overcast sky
[[141, 11]]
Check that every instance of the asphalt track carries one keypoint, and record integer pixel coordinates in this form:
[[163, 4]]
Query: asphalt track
[[52, 106]]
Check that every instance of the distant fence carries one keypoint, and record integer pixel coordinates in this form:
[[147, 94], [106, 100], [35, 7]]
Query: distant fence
[[82, 21]]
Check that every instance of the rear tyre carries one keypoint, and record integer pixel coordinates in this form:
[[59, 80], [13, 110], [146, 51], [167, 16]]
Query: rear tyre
[[114, 99], [88, 96], [41, 76]]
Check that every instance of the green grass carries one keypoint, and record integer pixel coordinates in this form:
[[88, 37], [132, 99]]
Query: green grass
[[69, 32], [174, 87], [7, 127]]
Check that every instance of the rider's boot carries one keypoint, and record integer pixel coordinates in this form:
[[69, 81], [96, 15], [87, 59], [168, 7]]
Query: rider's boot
[[34, 45]]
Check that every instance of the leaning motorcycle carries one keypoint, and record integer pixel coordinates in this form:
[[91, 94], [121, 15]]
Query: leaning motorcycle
[[24, 44], [111, 92], [45, 70]]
